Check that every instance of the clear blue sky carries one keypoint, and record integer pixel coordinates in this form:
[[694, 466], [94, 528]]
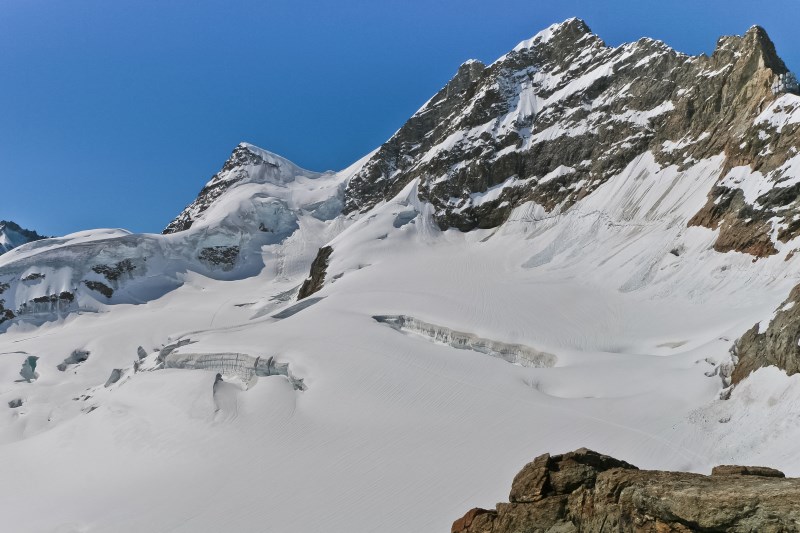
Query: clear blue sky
[[113, 113]]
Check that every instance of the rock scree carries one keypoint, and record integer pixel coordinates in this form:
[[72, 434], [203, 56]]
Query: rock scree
[[587, 492]]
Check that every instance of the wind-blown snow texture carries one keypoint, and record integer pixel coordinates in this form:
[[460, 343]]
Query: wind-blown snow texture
[[619, 313]]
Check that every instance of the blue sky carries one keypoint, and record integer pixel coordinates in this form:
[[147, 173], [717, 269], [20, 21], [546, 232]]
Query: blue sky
[[115, 113]]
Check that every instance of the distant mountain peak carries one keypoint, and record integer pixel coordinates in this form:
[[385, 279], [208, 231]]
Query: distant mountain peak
[[571, 30], [246, 164], [13, 235]]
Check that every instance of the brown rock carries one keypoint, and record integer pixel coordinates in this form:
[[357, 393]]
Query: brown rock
[[319, 269], [736, 470], [463, 523], [608, 495], [529, 485], [561, 474]]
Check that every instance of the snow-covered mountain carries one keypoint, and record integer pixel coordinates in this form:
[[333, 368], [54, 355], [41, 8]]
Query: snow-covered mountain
[[259, 210], [13, 235], [568, 247]]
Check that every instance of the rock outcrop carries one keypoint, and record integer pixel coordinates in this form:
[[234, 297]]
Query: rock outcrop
[[584, 491], [316, 278], [771, 342]]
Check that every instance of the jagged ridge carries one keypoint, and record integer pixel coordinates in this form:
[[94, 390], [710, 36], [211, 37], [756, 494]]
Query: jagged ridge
[[559, 115]]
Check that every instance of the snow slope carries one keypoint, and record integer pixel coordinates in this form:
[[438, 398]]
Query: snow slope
[[399, 430]]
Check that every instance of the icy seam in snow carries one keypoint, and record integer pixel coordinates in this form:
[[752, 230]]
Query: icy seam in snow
[[243, 366], [517, 354]]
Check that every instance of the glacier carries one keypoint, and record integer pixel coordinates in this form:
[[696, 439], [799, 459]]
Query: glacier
[[182, 387]]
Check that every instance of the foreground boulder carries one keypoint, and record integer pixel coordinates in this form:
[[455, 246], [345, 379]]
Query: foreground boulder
[[584, 491]]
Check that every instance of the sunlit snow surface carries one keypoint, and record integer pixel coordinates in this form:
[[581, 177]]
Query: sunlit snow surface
[[397, 431]]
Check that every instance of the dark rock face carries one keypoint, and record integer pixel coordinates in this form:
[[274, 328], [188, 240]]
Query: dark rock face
[[559, 115], [50, 303], [776, 344], [319, 270], [584, 491], [100, 287], [116, 271], [5, 314], [223, 257]]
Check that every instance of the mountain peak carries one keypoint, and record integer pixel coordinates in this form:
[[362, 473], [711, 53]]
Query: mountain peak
[[13, 235], [756, 29], [247, 164], [572, 29], [755, 42]]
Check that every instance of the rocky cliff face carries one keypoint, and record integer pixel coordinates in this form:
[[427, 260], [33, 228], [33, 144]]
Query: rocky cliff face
[[775, 341], [587, 492], [13, 235], [560, 114]]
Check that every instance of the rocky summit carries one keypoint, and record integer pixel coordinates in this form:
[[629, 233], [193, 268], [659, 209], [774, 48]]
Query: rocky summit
[[584, 491], [562, 113]]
